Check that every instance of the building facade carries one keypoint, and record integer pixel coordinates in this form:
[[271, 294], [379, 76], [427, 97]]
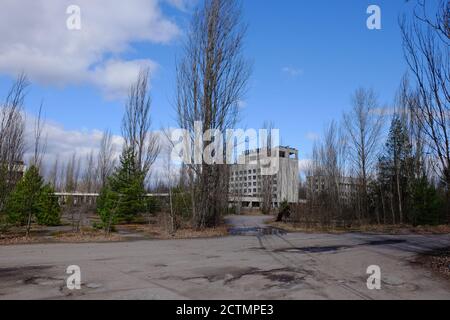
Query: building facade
[[250, 183], [347, 187]]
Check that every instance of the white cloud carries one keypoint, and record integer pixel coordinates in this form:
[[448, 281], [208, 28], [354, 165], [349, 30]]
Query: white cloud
[[183, 5], [115, 76], [293, 72], [35, 40], [62, 144], [312, 136]]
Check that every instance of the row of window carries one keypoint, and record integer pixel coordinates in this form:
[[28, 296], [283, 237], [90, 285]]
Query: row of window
[[248, 192], [237, 173], [250, 178], [249, 184]]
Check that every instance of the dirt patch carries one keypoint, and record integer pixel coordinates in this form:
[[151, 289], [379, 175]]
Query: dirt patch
[[438, 261]]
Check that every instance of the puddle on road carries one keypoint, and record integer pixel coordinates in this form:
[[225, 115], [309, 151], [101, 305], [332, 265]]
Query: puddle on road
[[255, 231], [384, 242], [313, 249], [332, 249]]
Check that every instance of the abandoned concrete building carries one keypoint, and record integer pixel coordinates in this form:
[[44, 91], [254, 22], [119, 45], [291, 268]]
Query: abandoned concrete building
[[246, 180], [15, 171], [347, 187]]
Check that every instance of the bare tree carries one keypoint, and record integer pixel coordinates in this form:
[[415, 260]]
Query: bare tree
[[39, 144], [89, 174], [170, 185], [12, 128], [426, 46], [211, 81], [363, 125], [136, 124], [105, 160], [54, 174], [329, 189], [267, 182], [72, 174]]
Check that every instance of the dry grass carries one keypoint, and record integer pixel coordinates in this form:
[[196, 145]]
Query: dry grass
[[14, 238], [190, 233], [87, 236], [438, 261], [160, 232]]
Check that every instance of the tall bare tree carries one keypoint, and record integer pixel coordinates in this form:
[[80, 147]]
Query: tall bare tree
[[136, 124], [39, 142], [54, 174], [326, 177], [426, 43], [212, 79], [89, 173], [267, 182], [363, 125], [72, 174], [105, 159], [12, 128]]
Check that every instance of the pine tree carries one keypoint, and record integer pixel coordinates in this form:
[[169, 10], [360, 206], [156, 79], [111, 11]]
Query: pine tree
[[23, 202], [426, 204], [49, 213], [32, 199], [107, 207], [395, 168], [124, 195]]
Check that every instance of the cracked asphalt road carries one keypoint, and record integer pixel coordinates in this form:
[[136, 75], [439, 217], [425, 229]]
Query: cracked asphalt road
[[254, 267]]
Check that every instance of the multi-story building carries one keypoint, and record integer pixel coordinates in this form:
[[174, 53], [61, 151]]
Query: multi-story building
[[347, 186], [15, 171], [250, 183]]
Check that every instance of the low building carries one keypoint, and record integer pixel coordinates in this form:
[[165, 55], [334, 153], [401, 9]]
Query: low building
[[248, 182]]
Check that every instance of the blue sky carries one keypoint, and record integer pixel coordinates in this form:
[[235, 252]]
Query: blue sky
[[308, 58]]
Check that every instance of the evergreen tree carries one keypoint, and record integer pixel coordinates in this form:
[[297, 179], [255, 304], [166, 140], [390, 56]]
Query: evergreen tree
[[124, 195], [426, 204], [32, 199], [395, 168], [107, 207], [49, 213], [23, 202]]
